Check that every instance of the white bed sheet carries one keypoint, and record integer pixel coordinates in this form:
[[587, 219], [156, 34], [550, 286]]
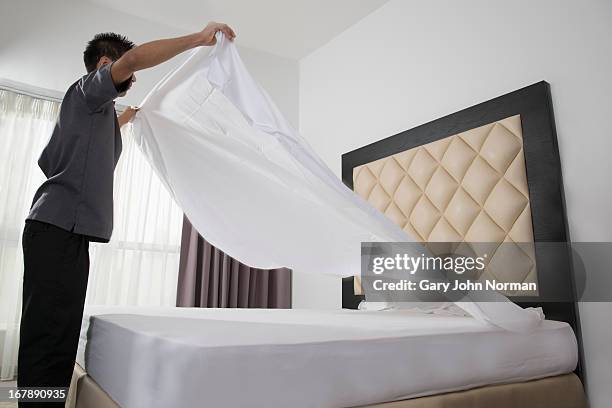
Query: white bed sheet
[[162, 357], [210, 117]]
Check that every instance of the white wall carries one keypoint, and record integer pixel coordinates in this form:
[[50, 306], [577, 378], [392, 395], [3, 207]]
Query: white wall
[[414, 61], [43, 42], [406, 64]]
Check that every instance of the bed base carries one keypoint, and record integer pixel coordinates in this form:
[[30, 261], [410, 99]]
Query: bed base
[[562, 391]]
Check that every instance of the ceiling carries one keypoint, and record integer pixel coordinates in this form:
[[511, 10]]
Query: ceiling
[[289, 28]]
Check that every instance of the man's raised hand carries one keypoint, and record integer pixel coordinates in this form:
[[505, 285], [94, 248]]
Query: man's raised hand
[[208, 34]]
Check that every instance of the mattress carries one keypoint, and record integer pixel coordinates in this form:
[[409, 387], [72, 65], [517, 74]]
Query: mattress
[[191, 357]]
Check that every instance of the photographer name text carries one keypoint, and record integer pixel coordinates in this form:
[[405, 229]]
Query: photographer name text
[[457, 285]]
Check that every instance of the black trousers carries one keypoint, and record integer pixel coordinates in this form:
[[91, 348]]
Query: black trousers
[[54, 284]]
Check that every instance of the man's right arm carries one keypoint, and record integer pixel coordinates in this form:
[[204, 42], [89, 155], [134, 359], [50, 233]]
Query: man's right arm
[[155, 52]]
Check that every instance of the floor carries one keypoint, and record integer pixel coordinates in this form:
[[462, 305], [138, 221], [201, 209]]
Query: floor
[[8, 404]]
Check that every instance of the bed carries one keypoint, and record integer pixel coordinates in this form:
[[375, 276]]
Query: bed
[[234, 357], [390, 359]]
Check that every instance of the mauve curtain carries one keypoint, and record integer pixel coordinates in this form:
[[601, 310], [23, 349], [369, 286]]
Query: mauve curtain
[[210, 278]]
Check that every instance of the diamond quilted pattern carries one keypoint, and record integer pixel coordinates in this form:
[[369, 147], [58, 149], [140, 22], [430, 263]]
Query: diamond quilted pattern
[[516, 175], [395, 214], [476, 137], [390, 176], [500, 148], [522, 230], [470, 187], [441, 188], [510, 263], [422, 168], [405, 158], [458, 157], [479, 180], [438, 148], [379, 198], [424, 217], [376, 167], [409, 229], [444, 232], [513, 124], [505, 204], [462, 211], [464, 249], [407, 195], [364, 181], [484, 229]]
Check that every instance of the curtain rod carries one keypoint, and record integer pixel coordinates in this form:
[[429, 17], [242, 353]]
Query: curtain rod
[[39, 93]]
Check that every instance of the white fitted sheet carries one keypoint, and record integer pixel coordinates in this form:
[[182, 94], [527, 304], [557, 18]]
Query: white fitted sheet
[[191, 357]]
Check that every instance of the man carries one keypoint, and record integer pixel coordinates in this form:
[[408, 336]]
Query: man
[[75, 204]]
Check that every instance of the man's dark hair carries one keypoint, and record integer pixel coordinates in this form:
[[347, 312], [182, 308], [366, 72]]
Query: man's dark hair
[[110, 45]]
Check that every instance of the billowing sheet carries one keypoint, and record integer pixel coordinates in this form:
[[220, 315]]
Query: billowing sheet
[[247, 181], [252, 185]]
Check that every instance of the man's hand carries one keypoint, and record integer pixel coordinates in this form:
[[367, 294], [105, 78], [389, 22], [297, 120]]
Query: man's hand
[[127, 115], [208, 34]]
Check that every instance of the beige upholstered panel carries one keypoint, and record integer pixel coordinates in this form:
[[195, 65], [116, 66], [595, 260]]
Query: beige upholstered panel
[[563, 391], [469, 187]]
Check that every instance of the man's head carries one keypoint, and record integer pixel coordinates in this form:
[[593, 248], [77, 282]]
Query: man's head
[[106, 48]]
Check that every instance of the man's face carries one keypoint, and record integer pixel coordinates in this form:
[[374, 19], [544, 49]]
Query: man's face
[[126, 85]]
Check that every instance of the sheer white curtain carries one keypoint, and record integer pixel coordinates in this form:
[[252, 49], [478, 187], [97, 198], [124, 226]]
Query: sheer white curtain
[[25, 126], [140, 264]]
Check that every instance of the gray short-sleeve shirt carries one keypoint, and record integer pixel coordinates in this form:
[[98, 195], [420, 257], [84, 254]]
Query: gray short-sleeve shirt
[[80, 158]]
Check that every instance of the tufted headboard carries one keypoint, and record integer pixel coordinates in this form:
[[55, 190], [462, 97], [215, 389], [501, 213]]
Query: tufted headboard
[[466, 188], [489, 173]]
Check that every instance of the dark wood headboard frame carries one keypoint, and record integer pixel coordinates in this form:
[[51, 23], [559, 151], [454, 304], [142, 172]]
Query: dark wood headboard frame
[[544, 179]]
